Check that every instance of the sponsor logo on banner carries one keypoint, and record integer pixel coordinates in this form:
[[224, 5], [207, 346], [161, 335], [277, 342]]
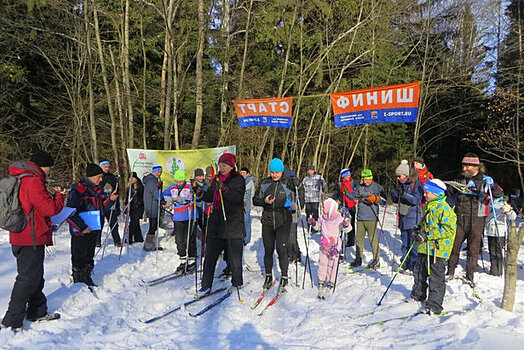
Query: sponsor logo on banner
[[386, 104], [273, 112]]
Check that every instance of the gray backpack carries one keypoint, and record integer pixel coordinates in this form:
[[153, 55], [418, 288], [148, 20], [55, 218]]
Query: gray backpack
[[12, 217]]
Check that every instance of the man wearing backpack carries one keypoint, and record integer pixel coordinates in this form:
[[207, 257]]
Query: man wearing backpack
[[29, 244]]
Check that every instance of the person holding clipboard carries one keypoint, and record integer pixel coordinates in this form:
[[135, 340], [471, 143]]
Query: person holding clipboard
[[91, 203]]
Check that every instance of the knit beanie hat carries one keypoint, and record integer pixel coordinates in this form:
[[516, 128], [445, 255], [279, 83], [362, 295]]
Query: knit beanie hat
[[104, 162], [435, 186], [93, 169], [330, 208], [245, 168], [180, 175], [209, 170], [42, 158], [156, 168], [418, 160], [310, 167], [228, 158], [403, 168], [471, 159], [344, 173], [276, 165], [199, 172], [366, 174]]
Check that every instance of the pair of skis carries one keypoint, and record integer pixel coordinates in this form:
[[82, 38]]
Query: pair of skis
[[195, 300], [405, 317], [263, 295], [161, 279]]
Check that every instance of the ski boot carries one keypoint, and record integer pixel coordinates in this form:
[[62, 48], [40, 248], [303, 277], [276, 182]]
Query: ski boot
[[202, 292], [87, 276], [283, 284], [356, 263], [374, 264], [267, 282]]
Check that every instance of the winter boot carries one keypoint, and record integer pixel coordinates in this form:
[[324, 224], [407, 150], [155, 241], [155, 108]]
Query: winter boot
[[47, 317], [330, 285], [202, 292], [191, 265], [469, 279], [267, 281], [78, 275], [283, 284], [356, 263], [182, 266], [150, 243], [86, 270], [374, 264], [320, 294]]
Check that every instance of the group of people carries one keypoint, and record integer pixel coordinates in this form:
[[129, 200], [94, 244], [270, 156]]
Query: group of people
[[216, 209]]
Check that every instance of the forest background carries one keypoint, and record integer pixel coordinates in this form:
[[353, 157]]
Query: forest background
[[87, 79]]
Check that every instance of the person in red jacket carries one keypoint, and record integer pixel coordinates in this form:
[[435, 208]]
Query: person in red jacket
[[38, 205], [422, 170]]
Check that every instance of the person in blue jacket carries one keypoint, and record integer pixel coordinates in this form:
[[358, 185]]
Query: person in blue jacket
[[408, 195]]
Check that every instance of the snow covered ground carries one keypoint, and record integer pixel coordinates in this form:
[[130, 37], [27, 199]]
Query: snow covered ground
[[108, 318]]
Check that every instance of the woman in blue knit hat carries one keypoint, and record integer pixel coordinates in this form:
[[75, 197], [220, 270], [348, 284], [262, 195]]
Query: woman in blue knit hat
[[276, 194]]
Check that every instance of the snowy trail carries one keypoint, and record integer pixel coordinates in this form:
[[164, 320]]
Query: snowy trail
[[108, 318]]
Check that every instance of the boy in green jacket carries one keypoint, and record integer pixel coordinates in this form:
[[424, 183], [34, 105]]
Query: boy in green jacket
[[435, 234]]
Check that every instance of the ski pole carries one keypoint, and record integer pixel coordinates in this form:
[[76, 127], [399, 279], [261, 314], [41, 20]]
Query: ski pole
[[395, 235], [396, 273], [157, 227], [196, 255], [307, 264], [336, 271]]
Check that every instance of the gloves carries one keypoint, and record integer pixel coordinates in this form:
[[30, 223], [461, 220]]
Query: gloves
[[488, 180], [345, 224], [373, 198], [159, 185], [311, 221], [221, 186], [195, 188], [419, 235], [400, 190], [333, 251]]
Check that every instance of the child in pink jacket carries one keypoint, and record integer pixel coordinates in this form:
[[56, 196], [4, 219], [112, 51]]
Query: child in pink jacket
[[330, 244]]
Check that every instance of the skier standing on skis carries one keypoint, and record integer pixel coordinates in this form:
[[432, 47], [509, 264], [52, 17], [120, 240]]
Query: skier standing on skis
[[226, 229], [496, 227], [276, 194], [313, 184], [471, 212], [408, 195], [110, 184], [136, 208], [331, 222], [89, 198], [152, 201], [435, 235], [368, 195], [28, 245], [346, 205], [248, 201], [181, 195]]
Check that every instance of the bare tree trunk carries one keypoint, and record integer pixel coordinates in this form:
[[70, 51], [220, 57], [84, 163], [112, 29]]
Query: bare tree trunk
[[126, 76], [244, 55], [144, 90], [92, 127], [199, 58], [510, 280], [226, 35], [106, 83], [118, 99]]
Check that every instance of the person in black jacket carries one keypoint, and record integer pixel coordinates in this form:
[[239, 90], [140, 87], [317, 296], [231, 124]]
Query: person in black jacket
[[89, 199], [471, 210], [110, 184], [276, 194], [136, 208], [226, 222]]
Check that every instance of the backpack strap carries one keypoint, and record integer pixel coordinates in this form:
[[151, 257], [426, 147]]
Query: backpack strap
[[32, 218]]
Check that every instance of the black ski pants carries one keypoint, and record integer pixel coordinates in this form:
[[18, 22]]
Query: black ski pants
[[135, 232], [434, 281], [214, 247], [496, 255], [293, 250], [280, 238], [180, 228], [83, 250], [312, 210], [27, 290]]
